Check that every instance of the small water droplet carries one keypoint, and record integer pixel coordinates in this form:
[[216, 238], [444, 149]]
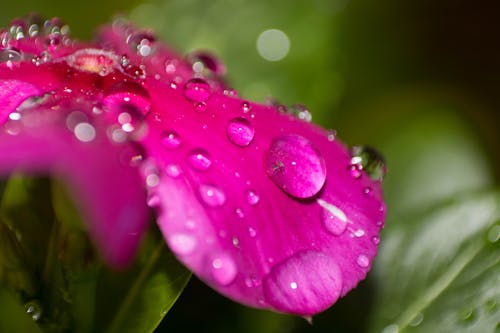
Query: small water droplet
[[34, 310], [182, 243], [240, 131], [376, 240], [224, 269], [368, 192], [296, 166], [246, 107], [252, 197], [137, 72], [288, 284], [331, 135], [239, 213], [333, 218], [171, 139], [199, 159], [200, 107], [467, 315], [491, 305], [363, 261], [300, 111], [236, 242], [370, 160], [393, 328], [197, 90], [358, 233], [141, 42], [206, 64], [417, 320], [494, 234], [212, 195], [173, 170], [355, 170], [252, 232]]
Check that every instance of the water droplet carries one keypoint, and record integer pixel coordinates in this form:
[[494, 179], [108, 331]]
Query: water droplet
[[224, 269], [376, 240], [393, 328], [417, 320], [494, 234], [252, 232], [363, 261], [296, 166], [199, 159], [368, 191], [173, 170], [34, 310], [333, 218], [137, 72], [141, 42], [354, 170], [239, 213], [212, 195], [205, 63], [240, 131], [197, 90], [130, 119], [467, 315], [127, 95], [289, 283], [236, 242], [9, 58], [200, 107], [370, 160], [331, 135], [252, 197], [84, 132], [93, 61], [300, 111], [246, 107], [171, 139], [358, 233], [491, 305], [182, 243], [152, 179]]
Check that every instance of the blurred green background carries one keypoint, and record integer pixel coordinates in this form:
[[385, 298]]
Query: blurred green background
[[418, 79]]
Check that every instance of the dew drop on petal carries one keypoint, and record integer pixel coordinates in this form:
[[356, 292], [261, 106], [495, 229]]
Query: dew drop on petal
[[252, 232], [223, 269], [363, 261], [240, 131], [141, 42], [252, 197], [212, 195], [199, 159], [197, 90], [355, 170], [9, 57], [296, 166], [376, 240], [171, 139], [203, 62], [127, 95], [304, 284], [200, 107], [370, 160], [173, 170], [302, 112], [333, 218], [182, 243], [246, 107]]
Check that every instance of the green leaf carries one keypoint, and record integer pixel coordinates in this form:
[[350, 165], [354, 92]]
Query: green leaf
[[137, 300], [441, 272]]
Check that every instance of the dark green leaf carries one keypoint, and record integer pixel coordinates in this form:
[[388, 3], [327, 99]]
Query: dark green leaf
[[441, 272]]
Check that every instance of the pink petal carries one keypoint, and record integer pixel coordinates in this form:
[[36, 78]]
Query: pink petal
[[265, 211]]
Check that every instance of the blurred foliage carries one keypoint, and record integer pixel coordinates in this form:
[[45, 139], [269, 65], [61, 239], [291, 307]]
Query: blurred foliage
[[417, 79]]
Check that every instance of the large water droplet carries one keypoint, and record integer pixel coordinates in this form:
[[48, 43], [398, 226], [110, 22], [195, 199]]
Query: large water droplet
[[333, 218], [371, 161], [9, 58], [296, 166], [212, 195], [197, 90], [171, 139], [224, 269], [199, 159], [289, 286], [182, 243], [127, 95], [240, 131], [93, 61]]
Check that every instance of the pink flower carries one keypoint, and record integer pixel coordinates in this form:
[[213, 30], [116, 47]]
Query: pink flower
[[268, 209]]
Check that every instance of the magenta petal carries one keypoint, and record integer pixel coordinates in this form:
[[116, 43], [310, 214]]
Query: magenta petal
[[108, 191], [261, 205]]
